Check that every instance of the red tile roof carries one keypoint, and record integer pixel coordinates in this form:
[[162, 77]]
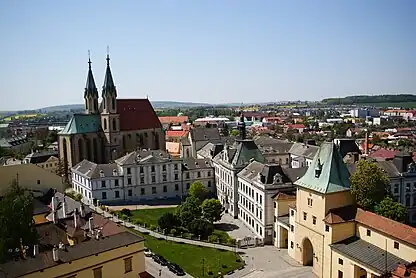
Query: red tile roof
[[295, 126], [386, 154], [283, 196], [177, 133], [173, 119], [137, 114], [387, 226]]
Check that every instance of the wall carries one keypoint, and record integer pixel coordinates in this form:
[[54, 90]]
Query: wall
[[336, 200], [132, 140], [112, 264], [349, 268], [51, 164]]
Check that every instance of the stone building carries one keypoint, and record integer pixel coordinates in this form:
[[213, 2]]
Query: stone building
[[109, 130]]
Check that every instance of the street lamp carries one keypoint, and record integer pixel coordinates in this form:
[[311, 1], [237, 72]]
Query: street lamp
[[203, 265]]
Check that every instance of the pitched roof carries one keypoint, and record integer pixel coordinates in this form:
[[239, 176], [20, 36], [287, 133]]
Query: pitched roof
[[137, 114], [341, 215], [300, 149], [191, 163], [173, 119], [90, 88], [94, 171], [387, 167], [177, 133], [40, 157], [327, 172], [269, 145], [145, 157], [67, 204], [205, 134], [387, 226], [82, 123], [284, 196], [294, 174], [245, 151], [267, 172], [109, 87]]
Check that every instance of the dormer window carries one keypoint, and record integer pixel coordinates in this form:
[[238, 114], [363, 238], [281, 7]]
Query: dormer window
[[101, 174], [115, 172], [318, 169]]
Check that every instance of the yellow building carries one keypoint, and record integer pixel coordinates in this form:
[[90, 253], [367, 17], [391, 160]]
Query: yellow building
[[48, 160], [31, 177], [78, 243], [323, 228]]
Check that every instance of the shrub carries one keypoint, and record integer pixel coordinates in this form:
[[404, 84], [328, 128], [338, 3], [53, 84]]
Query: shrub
[[231, 241], [173, 231], [152, 227], [126, 212], [123, 217], [138, 222], [213, 238]]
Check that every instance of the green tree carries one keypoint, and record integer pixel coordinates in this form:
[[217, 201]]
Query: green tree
[[391, 209], [212, 209], [198, 190], [188, 211], [234, 132], [369, 184], [201, 227], [168, 221], [16, 208]]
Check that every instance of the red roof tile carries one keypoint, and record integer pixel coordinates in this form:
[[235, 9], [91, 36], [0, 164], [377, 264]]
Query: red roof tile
[[177, 133], [295, 126], [137, 114], [387, 226], [173, 119]]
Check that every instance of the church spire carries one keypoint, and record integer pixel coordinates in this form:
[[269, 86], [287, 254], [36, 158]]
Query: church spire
[[90, 88], [108, 87]]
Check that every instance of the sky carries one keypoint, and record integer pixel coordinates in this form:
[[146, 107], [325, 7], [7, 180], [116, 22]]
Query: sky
[[211, 51]]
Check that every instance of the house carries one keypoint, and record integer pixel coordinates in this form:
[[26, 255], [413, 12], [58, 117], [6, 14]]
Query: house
[[47, 159], [140, 176], [173, 148], [325, 229], [297, 127], [31, 177], [167, 121], [301, 155], [75, 242], [275, 151], [18, 144], [198, 138], [176, 135]]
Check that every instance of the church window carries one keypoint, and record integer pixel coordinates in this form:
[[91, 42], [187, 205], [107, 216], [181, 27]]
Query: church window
[[86, 104], [113, 103], [105, 124], [114, 124]]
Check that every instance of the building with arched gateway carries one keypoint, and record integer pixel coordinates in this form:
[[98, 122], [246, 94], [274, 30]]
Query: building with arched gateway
[[109, 130]]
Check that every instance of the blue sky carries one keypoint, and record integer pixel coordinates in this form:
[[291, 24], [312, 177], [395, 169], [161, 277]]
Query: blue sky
[[206, 51]]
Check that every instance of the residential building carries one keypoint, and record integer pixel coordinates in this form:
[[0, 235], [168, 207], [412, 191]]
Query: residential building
[[18, 144], [76, 242], [364, 112], [140, 175], [198, 138], [109, 130], [176, 135], [258, 183], [168, 121], [30, 176], [228, 163], [299, 128], [301, 154], [174, 149], [327, 231], [212, 121], [275, 151], [47, 159]]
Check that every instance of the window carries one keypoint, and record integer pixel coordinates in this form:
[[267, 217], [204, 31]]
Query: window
[[292, 228], [128, 180], [141, 180], [408, 187], [292, 212], [188, 185], [97, 272], [209, 183], [310, 202], [102, 183], [291, 244], [38, 181], [128, 267], [176, 187], [141, 170], [209, 173], [142, 192], [153, 179], [176, 177], [257, 197], [163, 168], [396, 245], [175, 167], [340, 261], [396, 189], [314, 220], [130, 192], [304, 215], [115, 182], [165, 188], [368, 232], [326, 228], [105, 124], [275, 218], [128, 171], [198, 174], [117, 194], [261, 197], [187, 175], [340, 274], [103, 195], [153, 190], [152, 169], [115, 125], [165, 178]]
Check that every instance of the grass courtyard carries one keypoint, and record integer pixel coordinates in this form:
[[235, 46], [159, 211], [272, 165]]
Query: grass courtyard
[[194, 259]]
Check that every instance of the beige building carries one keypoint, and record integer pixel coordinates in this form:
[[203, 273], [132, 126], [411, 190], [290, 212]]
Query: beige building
[[30, 176], [48, 160], [109, 130], [323, 228], [275, 151]]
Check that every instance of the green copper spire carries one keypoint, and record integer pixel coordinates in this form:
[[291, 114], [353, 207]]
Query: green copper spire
[[108, 87], [90, 88], [327, 172]]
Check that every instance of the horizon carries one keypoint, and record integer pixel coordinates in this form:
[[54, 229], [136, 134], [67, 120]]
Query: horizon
[[207, 51]]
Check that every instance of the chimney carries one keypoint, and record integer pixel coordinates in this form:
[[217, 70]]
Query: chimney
[[35, 250], [55, 253], [54, 212], [64, 206], [76, 218], [90, 224], [366, 143], [81, 210]]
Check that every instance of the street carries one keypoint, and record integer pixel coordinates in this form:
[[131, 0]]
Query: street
[[153, 268]]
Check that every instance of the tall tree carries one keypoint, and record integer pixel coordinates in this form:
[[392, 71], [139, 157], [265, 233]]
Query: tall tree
[[198, 190], [188, 211], [369, 184], [212, 209], [391, 209], [16, 223], [168, 221]]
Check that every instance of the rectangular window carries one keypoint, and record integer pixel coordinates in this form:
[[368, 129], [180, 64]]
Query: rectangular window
[[165, 188], [292, 212], [209, 173], [314, 220], [117, 194], [165, 178], [164, 168], [129, 181], [153, 190], [292, 228], [275, 218], [141, 170], [128, 171], [396, 245], [130, 192], [97, 272], [304, 215], [368, 232], [326, 228], [187, 175], [188, 185], [115, 182], [408, 187], [128, 267], [396, 189], [103, 195], [152, 168], [102, 183], [291, 244], [153, 179], [310, 202], [176, 187], [261, 199], [274, 204], [209, 183], [176, 177], [340, 261], [340, 274], [198, 174], [142, 191], [142, 180]]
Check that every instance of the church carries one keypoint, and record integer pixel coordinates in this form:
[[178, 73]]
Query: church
[[109, 130]]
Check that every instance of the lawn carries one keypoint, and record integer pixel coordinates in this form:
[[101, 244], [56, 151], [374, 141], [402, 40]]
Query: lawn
[[151, 217], [193, 258]]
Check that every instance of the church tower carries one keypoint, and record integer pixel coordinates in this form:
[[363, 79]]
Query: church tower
[[110, 119], [90, 93]]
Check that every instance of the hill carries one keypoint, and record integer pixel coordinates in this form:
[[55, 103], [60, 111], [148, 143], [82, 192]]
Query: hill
[[400, 100]]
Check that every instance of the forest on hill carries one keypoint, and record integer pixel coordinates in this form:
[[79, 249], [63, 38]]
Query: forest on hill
[[394, 100]]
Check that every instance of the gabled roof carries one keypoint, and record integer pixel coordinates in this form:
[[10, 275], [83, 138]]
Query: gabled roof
[[267, 172], [82, 123], [333, 174], [245, 151], [173, 119], [40, 157], [145, 157], [137, 114], [301, 149], [191, 163], [205, 134], [94, 171]]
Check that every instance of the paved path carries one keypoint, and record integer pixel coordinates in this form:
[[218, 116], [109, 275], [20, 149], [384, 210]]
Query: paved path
[[136, 207], [153, 268]]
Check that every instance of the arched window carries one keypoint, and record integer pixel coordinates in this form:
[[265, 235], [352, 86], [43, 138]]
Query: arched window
[[113, 103], [104, 103], [114, 124], [105, 123], [89, 149], [95, 106], [86, 104]]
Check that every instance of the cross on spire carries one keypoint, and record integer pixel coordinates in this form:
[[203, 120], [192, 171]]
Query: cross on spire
[[108, 55], [89, 58]]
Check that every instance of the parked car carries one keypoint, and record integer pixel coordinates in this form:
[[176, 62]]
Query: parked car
[[160, 260], [156, 258], [176, 269], [148, 253]]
